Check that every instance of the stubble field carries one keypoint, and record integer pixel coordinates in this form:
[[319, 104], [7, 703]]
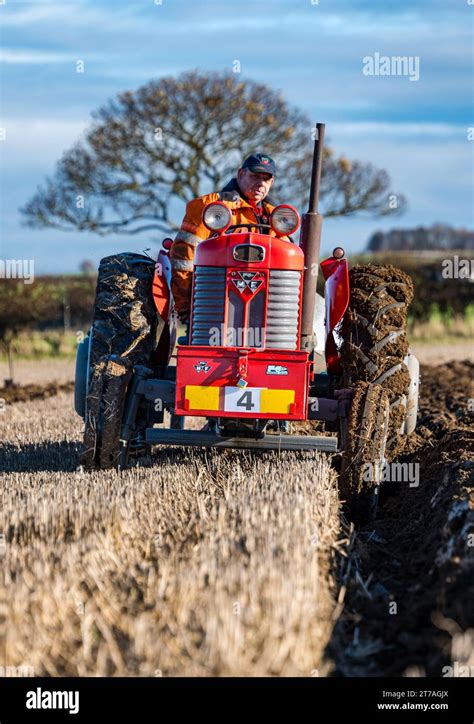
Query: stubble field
[[198, 563]]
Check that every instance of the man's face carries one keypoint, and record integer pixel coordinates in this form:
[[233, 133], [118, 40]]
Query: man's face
[[255, 186]]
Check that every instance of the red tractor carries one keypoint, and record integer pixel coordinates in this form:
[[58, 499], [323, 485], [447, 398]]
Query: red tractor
[[265, 354]]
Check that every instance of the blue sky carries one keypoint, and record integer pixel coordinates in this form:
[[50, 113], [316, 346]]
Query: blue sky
[[312, 52]]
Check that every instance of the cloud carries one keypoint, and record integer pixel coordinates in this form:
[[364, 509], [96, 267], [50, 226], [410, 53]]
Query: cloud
[[210, 18], [405, 131], [38, 142], [19, 17], [78, 14], [22, 57]]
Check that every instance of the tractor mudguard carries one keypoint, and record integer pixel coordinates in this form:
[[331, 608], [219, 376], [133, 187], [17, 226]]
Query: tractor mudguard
[[337, 293], [161, 284], [319, 325]]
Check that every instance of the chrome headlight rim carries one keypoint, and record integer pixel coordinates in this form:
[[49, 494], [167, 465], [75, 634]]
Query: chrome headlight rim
[[223, 214], [281, 212]]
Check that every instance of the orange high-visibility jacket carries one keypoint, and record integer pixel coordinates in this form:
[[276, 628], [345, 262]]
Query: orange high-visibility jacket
[[193, 231]]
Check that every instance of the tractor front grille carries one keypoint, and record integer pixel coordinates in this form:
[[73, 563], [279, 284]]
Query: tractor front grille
[[208, 304], [283, 309]]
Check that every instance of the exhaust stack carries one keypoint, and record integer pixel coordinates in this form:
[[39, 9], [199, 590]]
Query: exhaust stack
[[310, 242]]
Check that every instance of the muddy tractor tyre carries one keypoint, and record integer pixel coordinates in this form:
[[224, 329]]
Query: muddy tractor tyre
[[124, 311], [123, 336], [363, 458], [375, 343], [104, 412]]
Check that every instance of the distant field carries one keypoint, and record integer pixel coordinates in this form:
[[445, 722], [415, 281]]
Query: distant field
[[434, 354], [40, 371]]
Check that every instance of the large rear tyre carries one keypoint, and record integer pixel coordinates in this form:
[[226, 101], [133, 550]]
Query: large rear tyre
[[123, 336], [363, 458], [375, 343], [125, 317]]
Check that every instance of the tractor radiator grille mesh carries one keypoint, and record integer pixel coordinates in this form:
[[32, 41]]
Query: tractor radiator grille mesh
[[283, 309], [281, 329], [208, 304]]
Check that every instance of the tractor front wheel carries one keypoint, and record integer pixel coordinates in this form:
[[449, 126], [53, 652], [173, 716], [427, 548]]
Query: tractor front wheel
[[104, 412], [123, 337]]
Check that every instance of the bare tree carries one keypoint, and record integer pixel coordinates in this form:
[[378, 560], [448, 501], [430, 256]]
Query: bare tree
[[177, 138]]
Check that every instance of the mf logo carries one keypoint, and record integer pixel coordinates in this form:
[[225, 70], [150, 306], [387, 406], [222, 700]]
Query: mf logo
[[202, 367], [247, 281]]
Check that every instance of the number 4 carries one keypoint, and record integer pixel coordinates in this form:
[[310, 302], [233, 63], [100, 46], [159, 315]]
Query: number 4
[[246, 401]]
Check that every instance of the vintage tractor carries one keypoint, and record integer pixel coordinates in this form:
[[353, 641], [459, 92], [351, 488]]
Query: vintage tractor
[[264, 356]]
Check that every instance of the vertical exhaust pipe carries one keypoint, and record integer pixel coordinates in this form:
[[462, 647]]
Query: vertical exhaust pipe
[[310, 243]]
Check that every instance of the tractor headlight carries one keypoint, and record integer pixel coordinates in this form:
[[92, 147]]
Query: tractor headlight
[[284, 220], [217, 216]]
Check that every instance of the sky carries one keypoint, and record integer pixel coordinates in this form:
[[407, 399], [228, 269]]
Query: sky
[[313, 52]]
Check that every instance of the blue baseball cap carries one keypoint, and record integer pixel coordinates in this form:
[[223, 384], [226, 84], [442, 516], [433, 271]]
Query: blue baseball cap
[[260, 163]]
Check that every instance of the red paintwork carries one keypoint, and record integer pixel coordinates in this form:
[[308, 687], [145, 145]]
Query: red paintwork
[[279, 254], [160, 287], [228, 364], [246, 295], [337, 293]]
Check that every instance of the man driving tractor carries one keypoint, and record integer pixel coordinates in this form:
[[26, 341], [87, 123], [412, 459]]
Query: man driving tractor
[[245, 195], [248, 387]]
